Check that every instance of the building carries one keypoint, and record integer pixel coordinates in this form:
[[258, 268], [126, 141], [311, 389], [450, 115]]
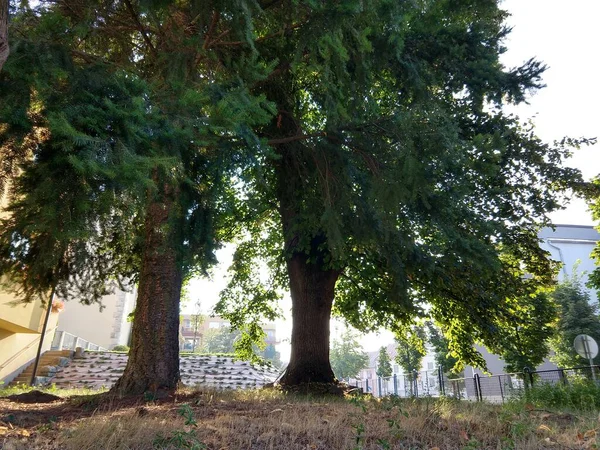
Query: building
[[572, 246], [20, 331], [104, 325]]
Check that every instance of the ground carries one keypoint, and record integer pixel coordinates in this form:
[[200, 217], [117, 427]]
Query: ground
[[269, 419]]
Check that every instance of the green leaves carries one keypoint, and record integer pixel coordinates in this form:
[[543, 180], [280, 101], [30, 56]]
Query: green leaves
[[346, 355]]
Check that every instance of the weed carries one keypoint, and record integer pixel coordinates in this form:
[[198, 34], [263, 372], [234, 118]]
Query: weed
[[184, 439], [577, 394]]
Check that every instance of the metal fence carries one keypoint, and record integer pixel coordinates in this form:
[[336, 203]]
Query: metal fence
[[67, 341], [492, 388]]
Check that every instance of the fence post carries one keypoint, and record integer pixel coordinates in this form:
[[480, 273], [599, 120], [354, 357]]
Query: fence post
[[379, 387], [415, 373], [528, 374], [562, 376], [441, 381], [501, 391], [367, 385], [395, 384], [477, 383]]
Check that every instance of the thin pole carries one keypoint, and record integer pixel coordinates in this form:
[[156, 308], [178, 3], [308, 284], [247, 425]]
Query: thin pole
[[586, 349], [39, 350]]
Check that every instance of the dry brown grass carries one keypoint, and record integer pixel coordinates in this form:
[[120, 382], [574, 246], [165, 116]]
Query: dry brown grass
[[271, 420]]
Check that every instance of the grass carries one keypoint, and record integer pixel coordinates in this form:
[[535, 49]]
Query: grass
[[6, 391], [270, 419]]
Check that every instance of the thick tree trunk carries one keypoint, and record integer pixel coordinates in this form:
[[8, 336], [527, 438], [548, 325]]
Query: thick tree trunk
[[4, 50], [153, 363], [312, 283], [312, 290]]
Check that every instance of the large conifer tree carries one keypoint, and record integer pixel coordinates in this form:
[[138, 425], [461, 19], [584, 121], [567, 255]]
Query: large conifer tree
[[126, 125]]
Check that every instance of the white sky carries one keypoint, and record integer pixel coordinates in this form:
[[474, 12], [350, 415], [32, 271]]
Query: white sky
[[566, 37]]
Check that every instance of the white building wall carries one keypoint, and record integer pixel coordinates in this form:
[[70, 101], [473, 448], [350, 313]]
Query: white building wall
[[106, 326]]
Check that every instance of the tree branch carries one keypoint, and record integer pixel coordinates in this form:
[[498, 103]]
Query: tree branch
[[141, 28], [298, 137]]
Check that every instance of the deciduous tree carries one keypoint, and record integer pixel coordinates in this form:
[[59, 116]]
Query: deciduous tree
[[396, 180], [347, 356], [578, 314], [384, 364]]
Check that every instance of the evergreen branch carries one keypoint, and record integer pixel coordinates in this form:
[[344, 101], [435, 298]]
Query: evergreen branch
[[211, 28], [141, 28], [298, 137]]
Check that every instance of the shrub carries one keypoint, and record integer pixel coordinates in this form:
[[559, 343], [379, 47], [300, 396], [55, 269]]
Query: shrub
[[120, 348], [576, 393]]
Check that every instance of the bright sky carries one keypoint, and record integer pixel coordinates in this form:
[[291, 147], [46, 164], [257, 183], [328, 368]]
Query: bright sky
[[566, 37]]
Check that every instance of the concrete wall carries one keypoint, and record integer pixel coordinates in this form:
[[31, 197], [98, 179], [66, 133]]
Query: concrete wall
[[106, 326]]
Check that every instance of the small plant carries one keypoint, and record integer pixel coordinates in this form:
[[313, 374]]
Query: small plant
[[185, 439], [359, 435], [120, 348]]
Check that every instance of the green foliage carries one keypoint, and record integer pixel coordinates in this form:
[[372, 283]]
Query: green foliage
[[576, 394], [346, 355], [221, 340], [89, 137], [443, 356], [577, 316], [524, 339], [384, 364], [120, 348], [182, 439], [410, 349], [394, 164]]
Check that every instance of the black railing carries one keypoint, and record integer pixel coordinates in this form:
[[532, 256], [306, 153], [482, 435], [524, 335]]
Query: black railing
[[493, 388]]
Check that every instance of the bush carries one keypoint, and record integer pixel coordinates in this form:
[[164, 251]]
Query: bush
[[120, 348], [577, 394]]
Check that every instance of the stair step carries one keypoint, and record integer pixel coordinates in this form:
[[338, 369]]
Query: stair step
[[47, 359]]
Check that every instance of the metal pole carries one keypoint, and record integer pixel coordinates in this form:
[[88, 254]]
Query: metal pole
[[39, 350], [586, 348]]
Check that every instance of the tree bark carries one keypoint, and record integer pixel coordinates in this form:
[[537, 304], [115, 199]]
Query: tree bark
[[153, 363], [312, 291], [312, 283], [4, 50]]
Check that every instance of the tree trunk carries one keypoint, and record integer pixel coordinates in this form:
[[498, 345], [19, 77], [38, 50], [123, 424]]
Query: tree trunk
[[312, 283], [312, 290], [4, 50], [153, 363]]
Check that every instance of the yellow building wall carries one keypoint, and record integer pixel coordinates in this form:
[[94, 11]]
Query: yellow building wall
[[18, 349], [20, 317]]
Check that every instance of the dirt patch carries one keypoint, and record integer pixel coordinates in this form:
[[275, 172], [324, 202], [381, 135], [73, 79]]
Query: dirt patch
[[34, 397]]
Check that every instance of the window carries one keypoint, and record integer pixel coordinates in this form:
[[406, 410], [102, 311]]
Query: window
[[213, 325], [429, 366]]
